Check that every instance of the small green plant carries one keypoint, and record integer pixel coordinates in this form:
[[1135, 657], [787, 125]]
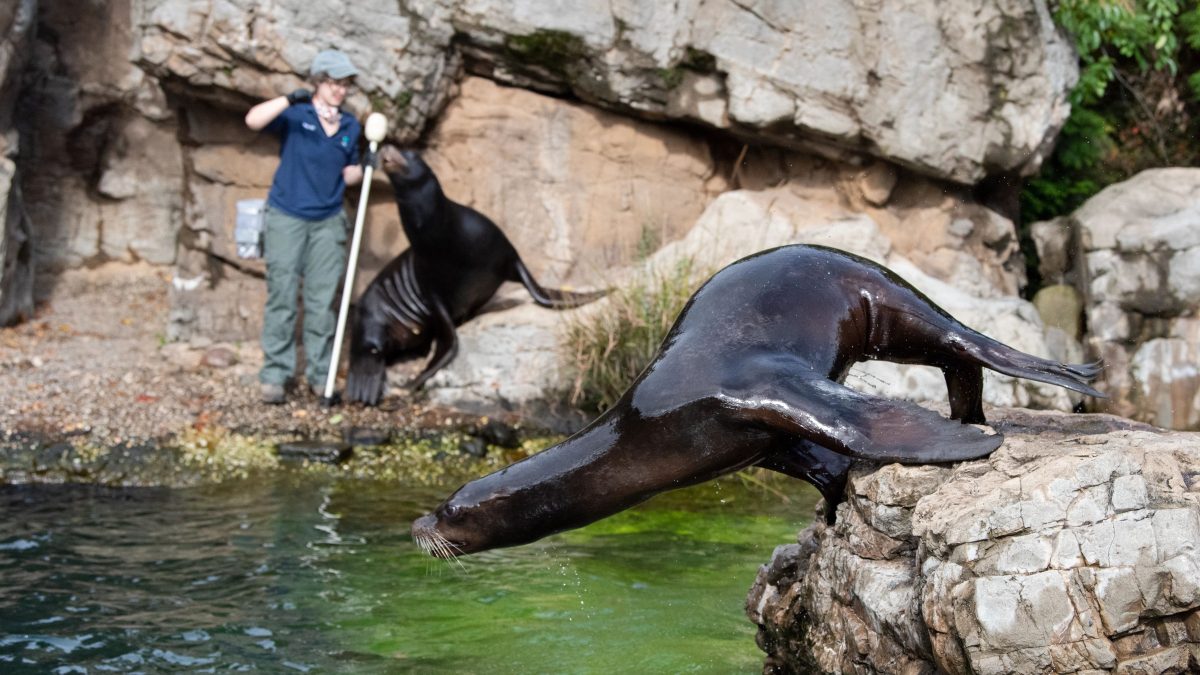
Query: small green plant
[[610, 347], [671, 77]]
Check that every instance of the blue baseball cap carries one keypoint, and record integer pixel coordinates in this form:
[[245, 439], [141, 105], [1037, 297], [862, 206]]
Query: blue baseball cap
[[333, 63]]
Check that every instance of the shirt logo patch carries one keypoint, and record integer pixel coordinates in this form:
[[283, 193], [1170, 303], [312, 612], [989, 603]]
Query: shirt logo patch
[[308, 126], [345, 141]]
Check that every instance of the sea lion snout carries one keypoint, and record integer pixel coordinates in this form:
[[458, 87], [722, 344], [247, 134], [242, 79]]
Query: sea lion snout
[[427, 538], [423, 525], [392, 160]]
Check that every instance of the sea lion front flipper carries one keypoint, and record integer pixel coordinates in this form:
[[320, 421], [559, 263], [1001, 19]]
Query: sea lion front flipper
[[861, 425], [823, 468], [446, 340]]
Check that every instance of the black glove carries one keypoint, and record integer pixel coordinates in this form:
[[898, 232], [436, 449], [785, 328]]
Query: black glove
[[299, 96], [371, 159]]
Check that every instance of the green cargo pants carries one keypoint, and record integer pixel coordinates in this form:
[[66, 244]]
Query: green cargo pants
[[295, 249]]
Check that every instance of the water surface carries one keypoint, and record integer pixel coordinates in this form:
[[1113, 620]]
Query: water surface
[[304, 573]]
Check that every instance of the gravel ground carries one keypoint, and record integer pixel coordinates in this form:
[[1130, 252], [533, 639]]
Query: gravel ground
[[92, 367]]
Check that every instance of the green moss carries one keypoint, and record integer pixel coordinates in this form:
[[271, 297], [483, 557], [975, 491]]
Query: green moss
[[671, 77], [214, 455], [552, 50]]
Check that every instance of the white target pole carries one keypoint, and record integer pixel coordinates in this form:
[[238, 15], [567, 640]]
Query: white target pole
[[375, 132]]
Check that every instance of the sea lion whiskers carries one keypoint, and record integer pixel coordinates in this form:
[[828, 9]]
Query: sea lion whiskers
[[436, 545]]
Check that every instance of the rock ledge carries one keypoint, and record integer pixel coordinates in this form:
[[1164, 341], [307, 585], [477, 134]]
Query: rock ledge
[[1073, 548]]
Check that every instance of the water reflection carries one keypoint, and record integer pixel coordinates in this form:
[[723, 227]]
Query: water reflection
[[318, 575]]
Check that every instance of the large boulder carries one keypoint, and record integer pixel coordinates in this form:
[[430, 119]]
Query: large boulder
[[956, 90], [1134, 252], [1070, 549], [498, 375], [103, 162], [577, 189]]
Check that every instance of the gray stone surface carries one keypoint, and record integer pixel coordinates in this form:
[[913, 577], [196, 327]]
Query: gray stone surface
[[1071, 549], [1134, 252]]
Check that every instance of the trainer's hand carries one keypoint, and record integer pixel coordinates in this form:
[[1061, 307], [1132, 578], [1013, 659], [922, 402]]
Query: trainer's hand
[[371, 159], [299, 96]]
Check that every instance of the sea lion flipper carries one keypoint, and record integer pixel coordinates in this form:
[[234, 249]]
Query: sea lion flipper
[[444, 337], [865, 426], [823, 468]]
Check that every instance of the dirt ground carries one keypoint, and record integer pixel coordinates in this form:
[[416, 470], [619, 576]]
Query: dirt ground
[[93, 366]]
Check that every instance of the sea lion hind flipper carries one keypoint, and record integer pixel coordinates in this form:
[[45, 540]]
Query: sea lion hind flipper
[[1001, 358], [865, 426], [552, 298], [823, 468], [446, 340]]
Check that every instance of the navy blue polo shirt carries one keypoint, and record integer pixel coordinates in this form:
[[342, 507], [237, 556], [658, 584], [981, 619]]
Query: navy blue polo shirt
[[308, 183]]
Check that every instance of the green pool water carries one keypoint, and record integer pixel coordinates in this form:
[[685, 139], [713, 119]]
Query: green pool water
[[302, 573]]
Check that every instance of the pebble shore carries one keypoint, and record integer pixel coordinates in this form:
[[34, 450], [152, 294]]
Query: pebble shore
[[92, 369]]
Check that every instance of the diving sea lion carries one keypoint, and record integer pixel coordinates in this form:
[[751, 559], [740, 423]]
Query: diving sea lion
[[456, 260], [750, 375]]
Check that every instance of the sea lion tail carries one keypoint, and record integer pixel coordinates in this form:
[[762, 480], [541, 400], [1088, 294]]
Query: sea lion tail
[[1004, 359], [553, 298]]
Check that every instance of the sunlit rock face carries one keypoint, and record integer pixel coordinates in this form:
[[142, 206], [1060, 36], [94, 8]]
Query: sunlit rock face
[[1071, 549], [16, 266], [1134, 252], [577, 189]]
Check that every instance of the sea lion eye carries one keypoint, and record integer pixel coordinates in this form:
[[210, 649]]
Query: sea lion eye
[[452, 511]]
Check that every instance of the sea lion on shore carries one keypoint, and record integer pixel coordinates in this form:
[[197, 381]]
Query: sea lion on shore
[[457, 258], [750, 375]]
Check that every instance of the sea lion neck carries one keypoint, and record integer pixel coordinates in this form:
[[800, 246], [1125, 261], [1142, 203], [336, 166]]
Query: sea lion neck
[[422, 205]]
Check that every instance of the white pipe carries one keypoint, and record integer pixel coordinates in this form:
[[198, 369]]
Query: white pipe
[[376, 130]]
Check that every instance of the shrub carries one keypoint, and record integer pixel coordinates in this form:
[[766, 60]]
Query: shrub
[[1135, 106], [610, 347]]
